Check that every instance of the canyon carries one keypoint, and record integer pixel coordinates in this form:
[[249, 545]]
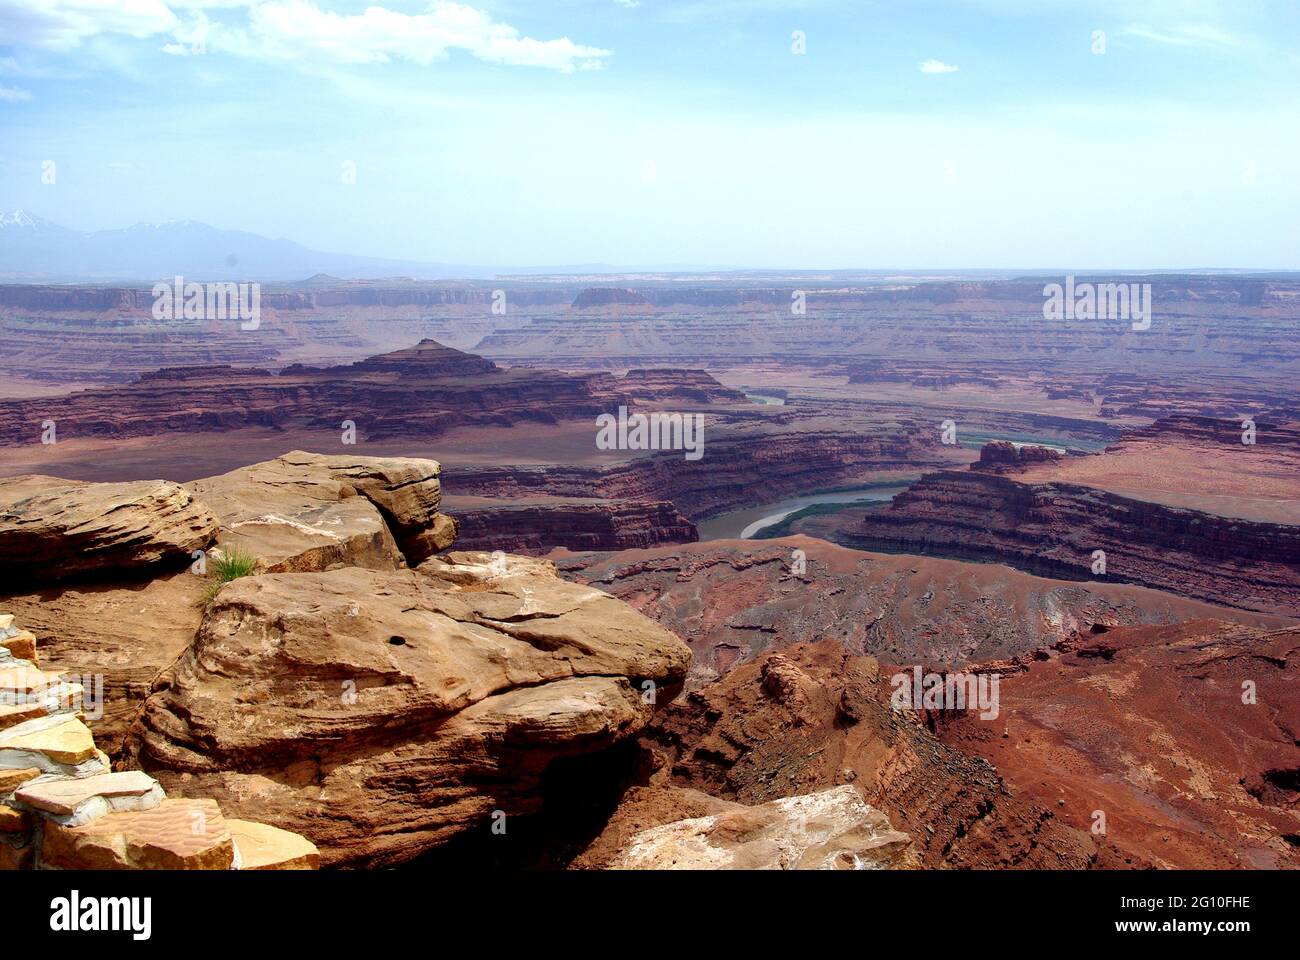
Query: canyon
[[459, 613]]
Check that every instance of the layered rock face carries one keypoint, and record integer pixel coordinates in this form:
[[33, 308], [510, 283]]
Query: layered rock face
[[739, 467], [380, 714], [417, 392], [53, 529], [1054, 528], [376, 707], [660, 385], [543, 524], [299, 512], [1002, 456], [733, 601]]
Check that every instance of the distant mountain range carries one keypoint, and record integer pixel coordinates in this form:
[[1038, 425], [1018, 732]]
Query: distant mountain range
[[34, 249]]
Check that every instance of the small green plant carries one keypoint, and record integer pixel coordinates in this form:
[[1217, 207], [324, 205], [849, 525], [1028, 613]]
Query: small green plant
[[231, 564]]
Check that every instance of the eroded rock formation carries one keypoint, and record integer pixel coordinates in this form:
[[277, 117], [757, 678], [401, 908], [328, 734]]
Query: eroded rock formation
[[53, 529], [381, 713]]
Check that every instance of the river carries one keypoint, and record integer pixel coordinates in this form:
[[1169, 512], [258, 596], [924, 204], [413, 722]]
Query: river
[[743, 524]]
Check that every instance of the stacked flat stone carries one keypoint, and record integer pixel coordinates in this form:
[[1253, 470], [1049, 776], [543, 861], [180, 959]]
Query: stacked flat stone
[[62, 807]]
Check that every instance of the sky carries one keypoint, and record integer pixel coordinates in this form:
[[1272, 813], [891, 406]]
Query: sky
[[942, 134]]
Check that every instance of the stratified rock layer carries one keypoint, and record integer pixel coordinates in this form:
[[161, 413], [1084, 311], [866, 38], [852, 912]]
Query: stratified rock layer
[[535, 526], [52, 529]]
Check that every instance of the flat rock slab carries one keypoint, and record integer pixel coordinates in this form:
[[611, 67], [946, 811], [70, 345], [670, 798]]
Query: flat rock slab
[[62, 739], [51, 529], [175, 835], [296, 517], [25, 680], [10, 780], [264, 847], [76, 801], [12, 715]]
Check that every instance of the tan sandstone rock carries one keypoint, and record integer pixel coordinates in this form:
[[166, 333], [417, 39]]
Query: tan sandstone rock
[[379, 713], [46, 742], [115, 638], [175, 835], [76, 801], [308, 511], [14, 714], [21, 644], [11, 780], [52, 529], [13, 820], [261, 846], [119, 636], [15, 855], [833, 829]]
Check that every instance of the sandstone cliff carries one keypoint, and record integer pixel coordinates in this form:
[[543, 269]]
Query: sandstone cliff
[[1054, 528]]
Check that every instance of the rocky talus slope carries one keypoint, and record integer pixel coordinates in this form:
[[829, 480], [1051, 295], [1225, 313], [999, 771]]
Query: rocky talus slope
[[61, 807], [802, 724], [1179, 741], [733, 601]]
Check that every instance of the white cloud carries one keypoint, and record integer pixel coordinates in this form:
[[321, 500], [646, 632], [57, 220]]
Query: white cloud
[[937, 66], [293, 30], [64, 24], [1184, 35], [13, 94]]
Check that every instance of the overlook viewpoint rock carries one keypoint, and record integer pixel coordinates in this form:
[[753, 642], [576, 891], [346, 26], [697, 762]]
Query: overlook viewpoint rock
[[351, 688]]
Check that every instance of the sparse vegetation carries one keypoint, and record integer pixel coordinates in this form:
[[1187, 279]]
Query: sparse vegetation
[[230, 564]]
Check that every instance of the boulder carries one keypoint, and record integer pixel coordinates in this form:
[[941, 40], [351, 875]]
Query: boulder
[[834, 829], [380, 713], [174, 835], [306, 512], [52, 529]]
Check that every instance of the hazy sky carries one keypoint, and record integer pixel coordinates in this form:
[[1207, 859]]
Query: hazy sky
[[929, 133]]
